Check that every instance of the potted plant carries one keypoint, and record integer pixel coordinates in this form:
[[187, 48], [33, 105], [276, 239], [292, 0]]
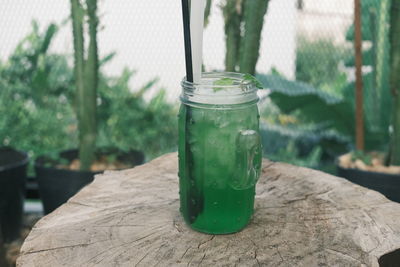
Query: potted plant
[[13, 165], [62, 175], [375, 170], [334, 114]]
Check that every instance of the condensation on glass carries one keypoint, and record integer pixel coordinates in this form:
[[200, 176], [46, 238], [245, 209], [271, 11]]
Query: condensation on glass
[[219, 152]]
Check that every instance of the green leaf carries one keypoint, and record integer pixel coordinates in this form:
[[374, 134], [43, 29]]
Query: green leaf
[[312, 105], [252, 79], [50, 32], [336, 113], [228, 81], [146, 87], [222, 82], [107, 58]]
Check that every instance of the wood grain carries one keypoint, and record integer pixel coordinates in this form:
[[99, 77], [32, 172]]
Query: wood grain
[[131, 218]]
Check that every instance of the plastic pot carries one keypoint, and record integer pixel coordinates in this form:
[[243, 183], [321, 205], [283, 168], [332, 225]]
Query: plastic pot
[[57, 185], [384, 183], [13, 165]]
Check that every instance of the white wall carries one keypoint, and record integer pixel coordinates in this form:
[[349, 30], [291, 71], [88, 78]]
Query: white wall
[[147, 36]]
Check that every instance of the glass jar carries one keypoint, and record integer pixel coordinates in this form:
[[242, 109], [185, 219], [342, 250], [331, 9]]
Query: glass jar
[[219, 152]]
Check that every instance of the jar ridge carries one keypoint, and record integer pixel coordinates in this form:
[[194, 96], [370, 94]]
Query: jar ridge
[[219, 88]]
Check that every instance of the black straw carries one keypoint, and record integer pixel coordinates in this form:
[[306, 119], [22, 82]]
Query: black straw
[[194, 198], [188, 42]]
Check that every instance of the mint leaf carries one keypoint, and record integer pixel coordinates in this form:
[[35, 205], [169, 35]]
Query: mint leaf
[[228, 81], [222, 82], [252, 79]]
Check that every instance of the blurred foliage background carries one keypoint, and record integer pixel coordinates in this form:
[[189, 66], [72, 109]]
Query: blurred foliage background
[[311, 119], [37, 103], [307, 119]]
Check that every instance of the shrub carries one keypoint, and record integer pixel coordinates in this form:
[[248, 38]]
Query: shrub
[[38, 107]]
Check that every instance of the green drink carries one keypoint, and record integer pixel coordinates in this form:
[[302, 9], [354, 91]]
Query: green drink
[[219, 152]]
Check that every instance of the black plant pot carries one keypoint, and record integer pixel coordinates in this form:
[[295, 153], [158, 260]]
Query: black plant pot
[[57, 185], [386, 184], [13, 165]]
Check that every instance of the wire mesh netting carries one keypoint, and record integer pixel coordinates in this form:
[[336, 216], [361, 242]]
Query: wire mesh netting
[[318, 109], [306, 62], [301, 51]]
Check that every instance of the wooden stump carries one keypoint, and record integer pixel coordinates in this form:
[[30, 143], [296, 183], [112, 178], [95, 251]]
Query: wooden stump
[[302, 218]]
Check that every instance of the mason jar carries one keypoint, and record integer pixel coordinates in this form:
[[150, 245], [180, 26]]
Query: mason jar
[[219, 152]]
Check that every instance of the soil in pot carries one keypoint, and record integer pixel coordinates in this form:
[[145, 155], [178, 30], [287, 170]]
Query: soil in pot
[[372, 173], [13, 165], [60, 178]]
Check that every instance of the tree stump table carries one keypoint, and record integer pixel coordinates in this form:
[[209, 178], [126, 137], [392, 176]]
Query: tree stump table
[[302, 217]]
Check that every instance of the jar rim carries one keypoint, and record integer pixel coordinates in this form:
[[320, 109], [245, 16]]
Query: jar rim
[[235, 90], [237, 78]]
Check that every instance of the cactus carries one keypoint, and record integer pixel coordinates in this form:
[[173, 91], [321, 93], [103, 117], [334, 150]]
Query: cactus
[[233, 19], [86, 78], [381, 66], [242, 48], [395, 80], [253, 17], [207, 12]]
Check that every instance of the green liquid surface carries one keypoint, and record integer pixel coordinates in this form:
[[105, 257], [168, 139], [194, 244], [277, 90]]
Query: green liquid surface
[[219, 164]]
